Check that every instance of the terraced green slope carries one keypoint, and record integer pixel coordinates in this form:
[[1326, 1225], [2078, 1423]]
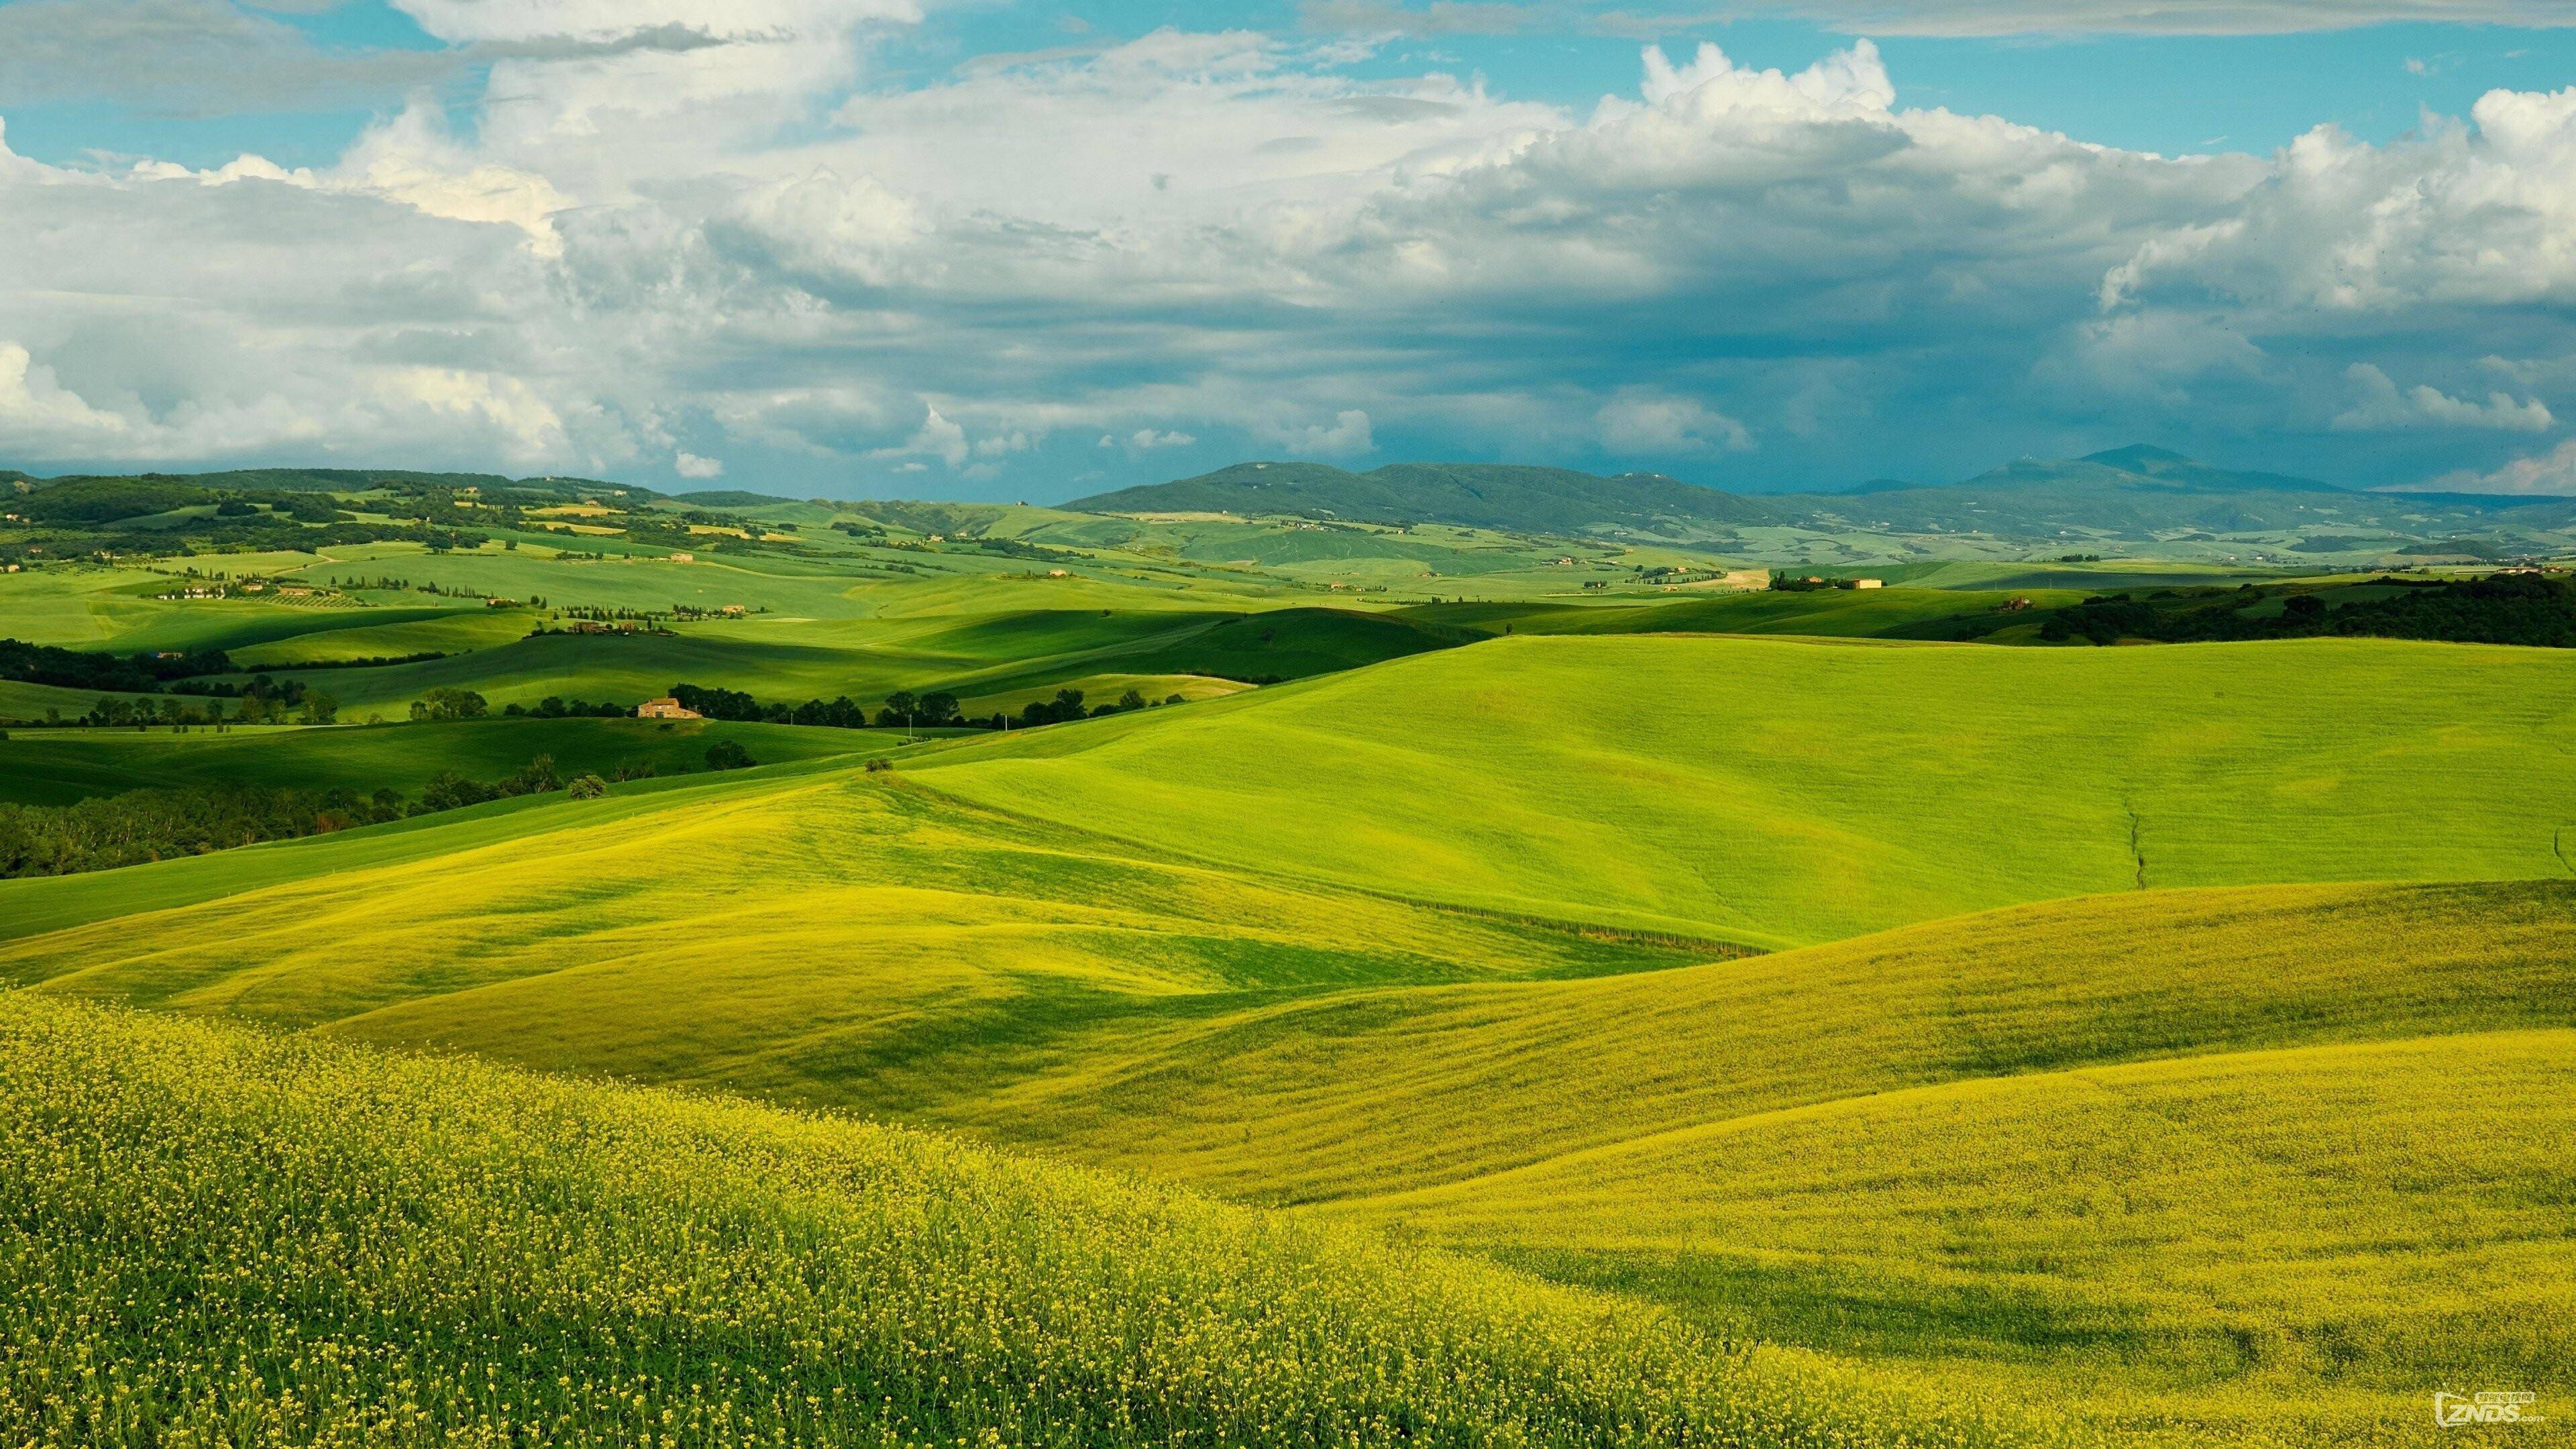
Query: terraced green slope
[[219, 1238], [1781, 792]]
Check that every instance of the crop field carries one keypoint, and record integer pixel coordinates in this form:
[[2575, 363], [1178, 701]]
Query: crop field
[[1550, 1015], [224, 1238], [1782, 792], [53, 767]]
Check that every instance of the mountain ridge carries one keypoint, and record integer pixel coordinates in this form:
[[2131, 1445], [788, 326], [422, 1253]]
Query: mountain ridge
[[2137, 493]]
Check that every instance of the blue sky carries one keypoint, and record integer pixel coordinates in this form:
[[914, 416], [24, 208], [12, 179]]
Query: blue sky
[[864, 247]]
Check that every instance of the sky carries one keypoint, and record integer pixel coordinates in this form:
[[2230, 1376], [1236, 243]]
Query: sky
[[1004, 250]]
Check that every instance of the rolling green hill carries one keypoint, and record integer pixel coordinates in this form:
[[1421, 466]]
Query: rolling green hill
[[1779, 792], [222, 1238], [2132, 998], [2141, 497], [1477, 495], [55, 767]]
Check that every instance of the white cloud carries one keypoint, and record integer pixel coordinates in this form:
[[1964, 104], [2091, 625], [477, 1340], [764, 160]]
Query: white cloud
[[1145, 440], [690, 465], [1347, 435], [2381, 405], [2172, 17], [34, 405], [715, 232], [937, 437], [1648, 424], [2553, 472], [411, 159]]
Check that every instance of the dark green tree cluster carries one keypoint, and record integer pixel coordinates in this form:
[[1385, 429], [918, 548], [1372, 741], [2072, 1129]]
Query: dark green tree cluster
[[448, 790], [78, 669], [448, 702], [557, 707], [148, 825], [2531, 609]]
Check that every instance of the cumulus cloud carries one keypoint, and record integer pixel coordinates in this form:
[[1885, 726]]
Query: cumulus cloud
[[2553, 472], [1929, 17], [1145, 440], [725, 235], [1647, 424], [1347, 435], [2381, 405], [690, 465]]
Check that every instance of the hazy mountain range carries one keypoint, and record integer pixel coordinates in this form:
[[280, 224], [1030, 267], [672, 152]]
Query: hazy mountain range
[[2129, 495]]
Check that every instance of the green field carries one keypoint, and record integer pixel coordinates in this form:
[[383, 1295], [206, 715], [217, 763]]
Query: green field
[[219, 1238], [1782, 792], [54, 767], [1549, 1015]]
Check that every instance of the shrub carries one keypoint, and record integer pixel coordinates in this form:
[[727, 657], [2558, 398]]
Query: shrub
[[587, 787]]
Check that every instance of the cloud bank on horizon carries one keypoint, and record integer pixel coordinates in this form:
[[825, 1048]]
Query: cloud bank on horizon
[[676, 240]]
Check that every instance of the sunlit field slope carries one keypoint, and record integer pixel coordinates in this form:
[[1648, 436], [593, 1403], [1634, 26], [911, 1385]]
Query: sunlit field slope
[[1355, 1092], [2280, 1236], [1781, 792], [838, 938], [52, 767], [216, 1238]]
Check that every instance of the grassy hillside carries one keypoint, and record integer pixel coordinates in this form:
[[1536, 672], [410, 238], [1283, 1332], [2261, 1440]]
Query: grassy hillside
[[1782, 792], [2238, 1232], [55, 767], [220, 1238], [1441, 946], [980, 657], [832, 938], [1358, 1092]]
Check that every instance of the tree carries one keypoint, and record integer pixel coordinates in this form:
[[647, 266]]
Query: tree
[[446, 702], [728, 755], [939, 707], [586, 787], [320, 709], [1132, 699], [900, 708]]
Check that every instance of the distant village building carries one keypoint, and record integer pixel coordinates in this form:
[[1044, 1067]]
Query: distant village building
[[1868, 584], [733, 611], [1059, 573], [665, 708], [684, 558]]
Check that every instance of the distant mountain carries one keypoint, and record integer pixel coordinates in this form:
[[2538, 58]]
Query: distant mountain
[[347, 480], [2133, 495], [1478, 495], [730, 498]]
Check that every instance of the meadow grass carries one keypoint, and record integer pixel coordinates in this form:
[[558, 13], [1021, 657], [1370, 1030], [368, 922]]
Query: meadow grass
[[50, 767], [1782, 792], [1353, 1093], [213, 1237], [831, 938], [1434, 947], [2315, 1238]]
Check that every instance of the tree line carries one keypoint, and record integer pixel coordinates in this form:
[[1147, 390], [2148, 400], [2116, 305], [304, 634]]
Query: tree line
[[2531, 609], [139, 826]]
